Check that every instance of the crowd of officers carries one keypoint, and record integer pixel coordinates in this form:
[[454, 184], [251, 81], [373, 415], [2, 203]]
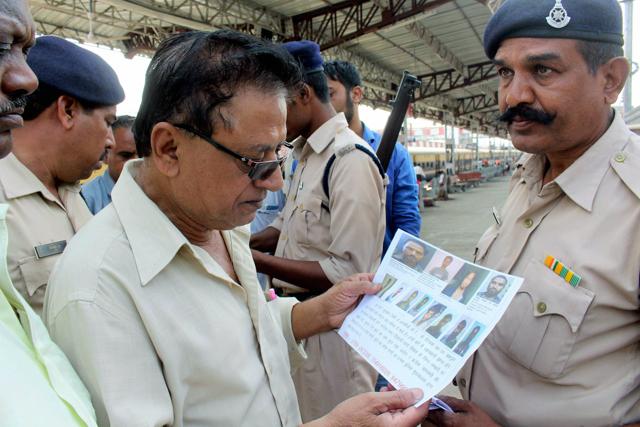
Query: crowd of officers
[[150, 312]]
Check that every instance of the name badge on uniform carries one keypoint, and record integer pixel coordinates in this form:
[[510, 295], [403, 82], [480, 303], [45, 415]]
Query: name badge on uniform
[[50, 249]]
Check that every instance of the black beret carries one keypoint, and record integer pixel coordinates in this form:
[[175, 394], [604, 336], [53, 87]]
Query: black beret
[[307, 53], [590, 20], [74, 71]]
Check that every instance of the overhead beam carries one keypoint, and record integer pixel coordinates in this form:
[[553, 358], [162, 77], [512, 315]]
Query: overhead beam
[[164, 14], [475, 103], [149, 21], [347, 20], [441, 82], [438, 47], [80, 35]]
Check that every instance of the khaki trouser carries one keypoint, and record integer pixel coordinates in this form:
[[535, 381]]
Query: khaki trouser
[[332, 373]]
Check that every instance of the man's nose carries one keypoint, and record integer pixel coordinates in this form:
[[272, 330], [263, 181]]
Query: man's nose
[[519, 91], [110, 142], [273, 182], [18, 78]]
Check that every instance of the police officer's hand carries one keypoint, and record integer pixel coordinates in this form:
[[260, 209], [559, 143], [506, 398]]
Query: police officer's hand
[[393, 408], [466, 414], [343, 297]]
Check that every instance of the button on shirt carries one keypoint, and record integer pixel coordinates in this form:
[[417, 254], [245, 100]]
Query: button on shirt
[[159, 332], [97, 192], [344, 233], [38, 386], [565, 355], [402, 191], [37, 218]]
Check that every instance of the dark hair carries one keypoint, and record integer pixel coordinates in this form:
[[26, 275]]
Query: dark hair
[[123, 121], [46, 95], [318, 81], [192, 75], [344, 72], [596, 54]]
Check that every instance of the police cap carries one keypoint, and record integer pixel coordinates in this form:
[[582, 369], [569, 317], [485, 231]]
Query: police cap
[[74, 71], [590, 20], [307, 53]]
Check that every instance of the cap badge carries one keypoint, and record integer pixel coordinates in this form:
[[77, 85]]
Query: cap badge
[[558, 17]]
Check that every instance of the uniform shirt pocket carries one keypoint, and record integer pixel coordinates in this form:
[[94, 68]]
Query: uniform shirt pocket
[[35, 274], [541, 326], [312, 217]]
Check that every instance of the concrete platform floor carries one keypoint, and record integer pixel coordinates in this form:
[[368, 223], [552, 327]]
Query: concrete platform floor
[[456, 225]]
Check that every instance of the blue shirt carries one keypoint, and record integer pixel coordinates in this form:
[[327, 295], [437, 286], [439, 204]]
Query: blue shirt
[[97, 192], [271, 207], [402, 191]]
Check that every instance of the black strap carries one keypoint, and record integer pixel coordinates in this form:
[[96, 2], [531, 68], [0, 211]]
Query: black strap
[[327, 169]]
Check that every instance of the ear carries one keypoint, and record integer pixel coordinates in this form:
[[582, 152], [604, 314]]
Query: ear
[[165, 139], [304, 94], [67, 110], [615, 73], [357, 94]]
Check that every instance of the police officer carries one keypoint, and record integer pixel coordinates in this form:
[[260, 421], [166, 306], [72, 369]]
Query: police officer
[[345, 90], [566, 350], [67, 131], [324, 233]]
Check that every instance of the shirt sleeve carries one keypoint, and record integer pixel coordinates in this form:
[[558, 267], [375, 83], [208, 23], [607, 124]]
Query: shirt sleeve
[[356, 203], [88, 194], [117, 362], [405, 214], [281, 311]]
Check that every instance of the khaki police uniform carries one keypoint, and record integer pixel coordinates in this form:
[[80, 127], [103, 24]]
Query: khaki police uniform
[[39, 226], [564, 355], [344, 233]]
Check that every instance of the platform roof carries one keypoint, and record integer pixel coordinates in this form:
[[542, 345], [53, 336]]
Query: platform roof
[[438, 40]]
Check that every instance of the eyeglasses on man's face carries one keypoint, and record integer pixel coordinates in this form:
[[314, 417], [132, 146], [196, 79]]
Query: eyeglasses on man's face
[[256, 169]]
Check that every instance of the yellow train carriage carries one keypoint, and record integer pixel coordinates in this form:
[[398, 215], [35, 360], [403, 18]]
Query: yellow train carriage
[[432, 159]]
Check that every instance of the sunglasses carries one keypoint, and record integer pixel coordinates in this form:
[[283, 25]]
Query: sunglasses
[[256, 169]]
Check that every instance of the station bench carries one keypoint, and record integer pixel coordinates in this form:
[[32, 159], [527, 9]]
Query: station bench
[[467, 179]]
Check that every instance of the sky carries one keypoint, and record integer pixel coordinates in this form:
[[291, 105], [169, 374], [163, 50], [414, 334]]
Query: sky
[[131, 74]]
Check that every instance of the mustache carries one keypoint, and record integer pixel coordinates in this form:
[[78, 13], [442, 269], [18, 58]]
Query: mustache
[[15, 104], [527, 113]]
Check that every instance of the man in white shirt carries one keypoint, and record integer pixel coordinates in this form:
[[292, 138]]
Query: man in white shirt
[[156, 301]]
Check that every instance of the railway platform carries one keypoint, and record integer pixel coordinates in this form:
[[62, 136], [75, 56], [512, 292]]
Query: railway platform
[[455, 225]]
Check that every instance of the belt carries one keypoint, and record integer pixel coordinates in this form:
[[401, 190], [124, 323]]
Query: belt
[[300, 296]]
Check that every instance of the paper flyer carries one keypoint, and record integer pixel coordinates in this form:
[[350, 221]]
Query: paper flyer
[[433, 311]]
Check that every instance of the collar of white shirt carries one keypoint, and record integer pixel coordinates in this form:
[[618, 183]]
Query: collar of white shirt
[[154, 239]]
